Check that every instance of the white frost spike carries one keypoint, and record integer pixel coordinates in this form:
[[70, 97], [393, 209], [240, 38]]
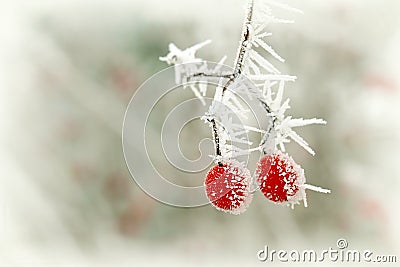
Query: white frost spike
[[231, 101], [304, 122], [285, 106], [298, 139], [178, 56], [273, 77], [285, 129], [262, 62], [279, 95], [230, 133], [250, 128], [242, 86], [218, 93], [281, 141], [220, 64], [259, 30], [313, 188], [203, 88], [229, 96], [254, 67], [268, 48], [243, 152], [283, 125], [263, 13], [284, 6], [257, 41], [316, 188], [196, 47], [197, 93]]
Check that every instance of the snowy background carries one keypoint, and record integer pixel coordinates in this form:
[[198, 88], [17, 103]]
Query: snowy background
[[67, 72]]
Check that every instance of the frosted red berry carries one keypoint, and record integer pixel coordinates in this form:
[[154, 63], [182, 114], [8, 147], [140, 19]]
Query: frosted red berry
[[281, 179], [227, 187]]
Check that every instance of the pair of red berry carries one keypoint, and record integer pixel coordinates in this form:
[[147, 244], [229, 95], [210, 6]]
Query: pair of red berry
[[278, 176]]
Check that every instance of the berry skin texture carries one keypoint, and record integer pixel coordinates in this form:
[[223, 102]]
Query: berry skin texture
[[228, 187], [281, 179]]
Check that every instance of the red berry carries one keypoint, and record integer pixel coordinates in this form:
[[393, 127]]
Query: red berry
[[228, 187], [280, 179]]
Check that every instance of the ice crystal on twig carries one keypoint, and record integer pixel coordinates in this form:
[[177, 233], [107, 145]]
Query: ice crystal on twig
[[283, 125], [223, 115], [178, 56]]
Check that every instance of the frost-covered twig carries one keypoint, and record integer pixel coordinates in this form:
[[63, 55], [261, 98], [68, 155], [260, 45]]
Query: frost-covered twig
[[256, 67], [249, 66]]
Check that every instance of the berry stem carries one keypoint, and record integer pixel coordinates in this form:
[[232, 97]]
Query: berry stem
[[244, 41], [238, 68], [243, 48], [267, 135], [216, 140]]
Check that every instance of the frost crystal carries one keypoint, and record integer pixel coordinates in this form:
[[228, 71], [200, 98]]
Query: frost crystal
[[177, 56], [283, 125]]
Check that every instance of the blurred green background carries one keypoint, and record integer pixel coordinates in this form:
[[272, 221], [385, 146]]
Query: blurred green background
[[67, 72]]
